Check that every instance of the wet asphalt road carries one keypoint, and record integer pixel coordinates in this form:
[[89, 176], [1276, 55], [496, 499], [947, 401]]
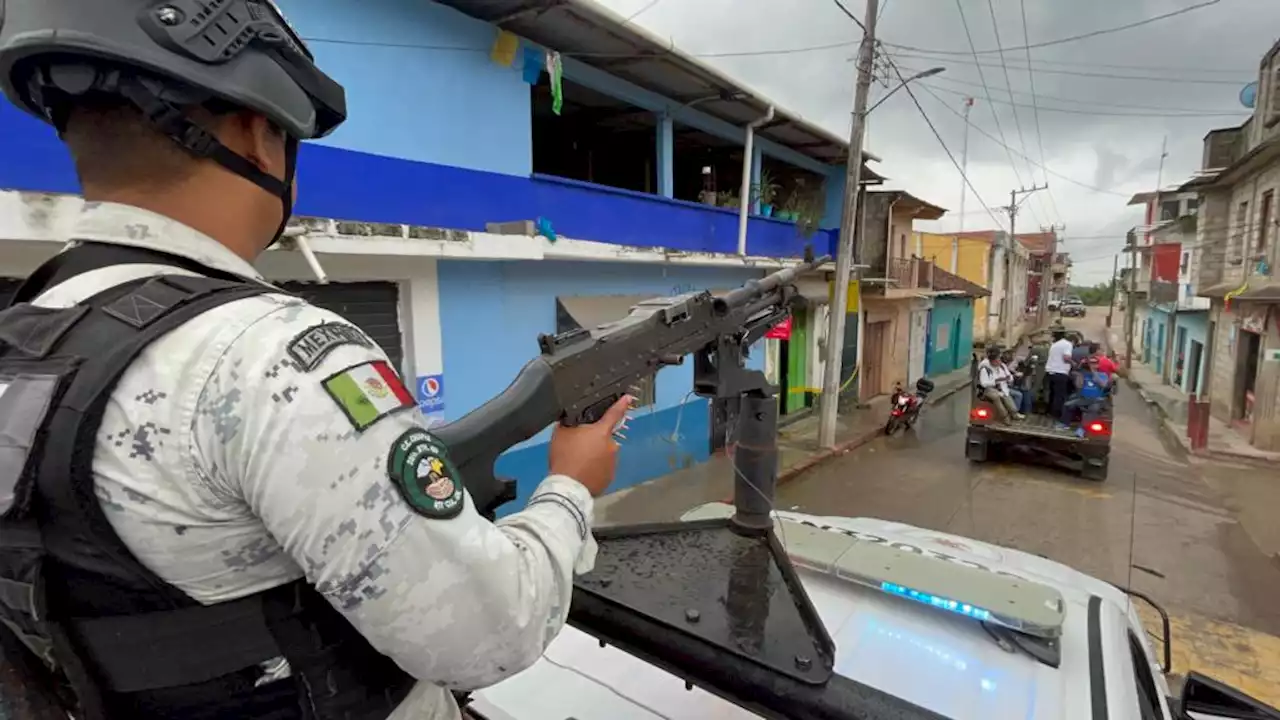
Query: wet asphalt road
[[1155, 525]]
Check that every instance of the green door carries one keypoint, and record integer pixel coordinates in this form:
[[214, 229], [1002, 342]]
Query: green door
[[797, 395]]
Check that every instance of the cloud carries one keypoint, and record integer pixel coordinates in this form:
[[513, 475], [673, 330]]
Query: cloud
[[1087, 127]]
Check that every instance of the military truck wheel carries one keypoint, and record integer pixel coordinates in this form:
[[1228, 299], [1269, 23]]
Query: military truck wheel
[[1094, 469], [976, 447]]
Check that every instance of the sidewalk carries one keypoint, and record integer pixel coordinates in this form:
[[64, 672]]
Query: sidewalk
[[1171, 406], [665, 498]]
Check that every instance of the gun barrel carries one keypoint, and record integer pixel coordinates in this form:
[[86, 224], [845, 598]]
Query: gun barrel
[[754, 289]]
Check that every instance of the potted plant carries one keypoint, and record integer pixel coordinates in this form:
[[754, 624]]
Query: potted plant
[[766, 193], [727, 199], [790, 206]]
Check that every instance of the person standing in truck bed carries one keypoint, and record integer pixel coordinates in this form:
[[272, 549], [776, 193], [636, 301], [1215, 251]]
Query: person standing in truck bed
[[1058, 367]]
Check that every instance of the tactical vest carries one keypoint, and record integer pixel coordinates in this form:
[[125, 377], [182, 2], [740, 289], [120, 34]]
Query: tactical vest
[[79, 615]]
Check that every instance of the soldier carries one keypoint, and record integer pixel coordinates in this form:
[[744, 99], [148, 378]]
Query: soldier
[[240, 515]]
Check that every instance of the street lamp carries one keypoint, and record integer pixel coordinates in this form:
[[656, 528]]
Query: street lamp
[[918, 76], [829, 400]]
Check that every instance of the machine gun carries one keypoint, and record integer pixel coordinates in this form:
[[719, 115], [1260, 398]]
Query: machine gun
[[581, 373], [716, 602]]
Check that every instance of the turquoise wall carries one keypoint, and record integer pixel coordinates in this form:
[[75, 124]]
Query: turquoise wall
[[948, 349]]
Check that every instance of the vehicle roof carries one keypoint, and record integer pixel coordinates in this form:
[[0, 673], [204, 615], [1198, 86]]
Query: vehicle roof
[[939, 661]]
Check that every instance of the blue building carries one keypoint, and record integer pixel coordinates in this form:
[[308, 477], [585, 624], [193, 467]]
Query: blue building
[[506, 173]]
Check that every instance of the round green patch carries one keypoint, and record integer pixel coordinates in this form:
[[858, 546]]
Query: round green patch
[[419, 467]]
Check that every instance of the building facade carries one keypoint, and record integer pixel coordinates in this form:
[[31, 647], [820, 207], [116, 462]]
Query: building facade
[[1234, 261], [456, 218], [994, 261]]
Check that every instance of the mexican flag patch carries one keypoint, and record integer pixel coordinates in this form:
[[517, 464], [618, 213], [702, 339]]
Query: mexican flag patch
[[368, 392]]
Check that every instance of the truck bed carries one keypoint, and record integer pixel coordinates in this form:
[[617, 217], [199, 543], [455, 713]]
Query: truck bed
[[1038, 425]]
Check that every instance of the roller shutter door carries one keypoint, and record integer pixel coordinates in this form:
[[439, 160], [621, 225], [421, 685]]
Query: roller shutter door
[[374, 307]]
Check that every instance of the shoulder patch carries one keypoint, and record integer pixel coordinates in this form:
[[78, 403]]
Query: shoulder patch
[[315, 343], [419, 467], [368, 392]]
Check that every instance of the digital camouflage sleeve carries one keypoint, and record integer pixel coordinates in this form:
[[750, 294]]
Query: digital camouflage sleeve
[[304, 422]]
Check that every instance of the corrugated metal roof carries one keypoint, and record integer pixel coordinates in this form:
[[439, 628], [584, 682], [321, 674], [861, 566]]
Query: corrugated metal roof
[[599, 37]]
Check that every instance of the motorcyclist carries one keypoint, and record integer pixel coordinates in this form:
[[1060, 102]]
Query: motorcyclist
[[243, 516]]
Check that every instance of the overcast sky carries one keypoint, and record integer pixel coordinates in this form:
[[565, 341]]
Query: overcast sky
[[1110, 142]]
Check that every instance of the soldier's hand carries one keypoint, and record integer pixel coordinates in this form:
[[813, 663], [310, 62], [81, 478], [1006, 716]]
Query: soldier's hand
[[588, 453]]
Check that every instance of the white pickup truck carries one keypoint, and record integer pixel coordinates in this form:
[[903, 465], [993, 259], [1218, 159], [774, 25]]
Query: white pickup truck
[[919, 624]]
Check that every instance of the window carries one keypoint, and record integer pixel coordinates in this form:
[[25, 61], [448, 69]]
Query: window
[[1264, 221], [1148, 695], [1241, 231], [1186, 262], [1193, 204]]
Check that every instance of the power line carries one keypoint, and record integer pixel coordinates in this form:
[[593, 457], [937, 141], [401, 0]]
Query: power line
[[907, 87], [1180, 71], [987, 90], [1163, 109], [641, 11], [1026, 38], [1080, 73], [1046, 168], [1069, 111], [1009, 83], [1081, 36]]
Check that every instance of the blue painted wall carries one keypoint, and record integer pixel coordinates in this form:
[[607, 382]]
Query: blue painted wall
[[1160, 336], [491, 314], [947, 313], [409, 96], [1194, 326], [440, 136]]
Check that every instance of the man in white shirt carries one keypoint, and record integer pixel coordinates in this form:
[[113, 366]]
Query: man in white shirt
[[991, 378], [1058, 368]]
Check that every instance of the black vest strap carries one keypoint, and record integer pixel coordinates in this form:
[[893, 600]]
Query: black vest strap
[[131, 644], [89, 255]]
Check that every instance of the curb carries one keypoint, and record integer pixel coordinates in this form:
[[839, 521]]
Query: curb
[[790, 473]]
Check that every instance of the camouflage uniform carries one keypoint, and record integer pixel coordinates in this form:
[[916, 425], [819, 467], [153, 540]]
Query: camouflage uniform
[[227, 469]]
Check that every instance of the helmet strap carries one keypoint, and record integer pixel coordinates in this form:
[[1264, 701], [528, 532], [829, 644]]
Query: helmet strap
[[170, 121]]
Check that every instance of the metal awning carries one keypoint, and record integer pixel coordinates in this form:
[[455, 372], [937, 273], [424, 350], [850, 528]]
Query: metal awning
[[600, 38]]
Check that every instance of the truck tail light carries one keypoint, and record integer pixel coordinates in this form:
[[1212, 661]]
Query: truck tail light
[[980, 413], [1097, 427]]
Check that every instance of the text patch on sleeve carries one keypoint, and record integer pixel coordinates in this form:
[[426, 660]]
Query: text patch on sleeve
[[368, 392], [419, 467], [314, 344]]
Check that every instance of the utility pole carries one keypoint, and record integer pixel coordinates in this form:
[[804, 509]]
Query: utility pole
[[1115, 275], [964, 163], [1012, 209], [1131, 240], [1046, 277], [829, 401]]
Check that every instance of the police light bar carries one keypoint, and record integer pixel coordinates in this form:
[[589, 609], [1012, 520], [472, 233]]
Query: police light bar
[[1020, 605], [901, 570]]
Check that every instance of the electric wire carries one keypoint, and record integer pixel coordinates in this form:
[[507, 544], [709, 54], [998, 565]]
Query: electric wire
[[996, 140], [1026, 38], [1017, 122], [938, 136], [1157, 110], [1103, 113], [819, 47], [987, 91], [1081, 36], [1236, 82], [641, 11]]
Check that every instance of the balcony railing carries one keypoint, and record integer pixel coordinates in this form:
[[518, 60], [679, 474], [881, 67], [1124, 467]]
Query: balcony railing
[[909, 273]]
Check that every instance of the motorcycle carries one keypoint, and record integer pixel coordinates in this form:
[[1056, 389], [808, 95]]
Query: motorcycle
[[905, 407]]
